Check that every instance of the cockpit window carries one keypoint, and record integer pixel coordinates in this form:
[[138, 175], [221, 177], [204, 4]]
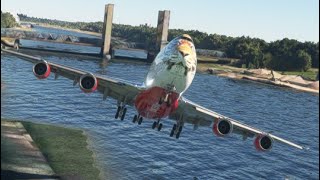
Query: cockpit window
[[186, 38]]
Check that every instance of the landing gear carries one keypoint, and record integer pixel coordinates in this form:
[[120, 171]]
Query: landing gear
[[157, 124], [166, 99], [173, 130], [140, 120], [176, 130], [137, 118], [121, 112]]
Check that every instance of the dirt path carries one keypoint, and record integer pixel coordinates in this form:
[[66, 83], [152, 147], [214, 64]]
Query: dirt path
[[20, 158]]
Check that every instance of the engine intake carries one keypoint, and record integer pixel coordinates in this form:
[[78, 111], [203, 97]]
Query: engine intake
[[222, 127], [41, 70], [88, 83], [263, 142]]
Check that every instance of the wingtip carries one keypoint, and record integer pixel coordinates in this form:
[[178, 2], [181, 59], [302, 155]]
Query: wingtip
[[306, 148]]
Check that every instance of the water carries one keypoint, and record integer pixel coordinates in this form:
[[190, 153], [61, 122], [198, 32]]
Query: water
[[128, 151]]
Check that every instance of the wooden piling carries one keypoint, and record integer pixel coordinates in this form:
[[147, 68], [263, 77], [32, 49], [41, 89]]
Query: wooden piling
[[107, 27], [162, 29]]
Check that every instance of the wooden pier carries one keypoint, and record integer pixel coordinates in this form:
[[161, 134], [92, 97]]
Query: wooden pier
[[11, 37]]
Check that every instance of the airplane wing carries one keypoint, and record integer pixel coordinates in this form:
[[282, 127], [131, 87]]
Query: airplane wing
[[117, 89], [189, 112]]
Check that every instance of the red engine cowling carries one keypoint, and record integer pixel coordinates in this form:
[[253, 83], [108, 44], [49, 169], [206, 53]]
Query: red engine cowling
[[222, 127], [263, 142], [41, 70], [88, 83]]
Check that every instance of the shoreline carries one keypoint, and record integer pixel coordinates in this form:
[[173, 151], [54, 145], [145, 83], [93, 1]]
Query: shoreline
[[62, 147], [249, 75], [66, 29]]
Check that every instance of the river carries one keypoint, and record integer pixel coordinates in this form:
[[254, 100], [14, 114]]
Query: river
[[128, 151]]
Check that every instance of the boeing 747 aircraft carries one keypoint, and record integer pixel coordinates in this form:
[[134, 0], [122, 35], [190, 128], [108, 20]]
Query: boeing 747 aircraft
[[161, 96]]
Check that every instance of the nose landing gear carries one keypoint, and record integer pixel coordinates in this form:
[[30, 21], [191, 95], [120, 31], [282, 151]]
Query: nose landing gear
[[166, 99]]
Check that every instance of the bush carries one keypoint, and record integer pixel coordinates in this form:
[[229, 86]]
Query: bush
[[7, 20]]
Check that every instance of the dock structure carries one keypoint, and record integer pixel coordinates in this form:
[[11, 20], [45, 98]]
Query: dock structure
[[8, 36], [107, 29], [162, 29]]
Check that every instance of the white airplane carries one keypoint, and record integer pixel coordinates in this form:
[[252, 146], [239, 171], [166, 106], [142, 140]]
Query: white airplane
[[160, 97]]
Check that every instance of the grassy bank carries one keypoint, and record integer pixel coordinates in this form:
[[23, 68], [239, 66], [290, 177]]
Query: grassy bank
[[310, 74], [65, 149]]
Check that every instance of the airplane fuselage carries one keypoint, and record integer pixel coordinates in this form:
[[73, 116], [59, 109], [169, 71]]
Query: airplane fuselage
[[170, 75]]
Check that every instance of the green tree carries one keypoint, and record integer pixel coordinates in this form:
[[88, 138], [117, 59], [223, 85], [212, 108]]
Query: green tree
[[7, 20], [303, 60], [267, 60]]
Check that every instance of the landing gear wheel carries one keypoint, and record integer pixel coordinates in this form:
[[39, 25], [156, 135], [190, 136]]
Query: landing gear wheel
[[173, 129], [159, 127], [140, 120], [154, 125], [135, 118], [178, 135], [117, 113], [123, 114], [171, 133]]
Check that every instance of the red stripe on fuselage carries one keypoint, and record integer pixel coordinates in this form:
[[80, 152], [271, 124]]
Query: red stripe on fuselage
[[147, 103]]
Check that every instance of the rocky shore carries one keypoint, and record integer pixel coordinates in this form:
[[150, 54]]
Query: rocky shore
[[267, 77]]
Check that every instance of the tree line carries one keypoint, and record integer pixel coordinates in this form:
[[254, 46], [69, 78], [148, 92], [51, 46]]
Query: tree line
[[283, 55]]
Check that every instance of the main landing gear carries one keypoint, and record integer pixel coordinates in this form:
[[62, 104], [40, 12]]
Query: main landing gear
[[157, 124], [137, 118], [176, 130], [121, 112]]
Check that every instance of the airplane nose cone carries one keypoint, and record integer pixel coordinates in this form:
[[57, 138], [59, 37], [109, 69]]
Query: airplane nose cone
[[183, 53], [184, 49]]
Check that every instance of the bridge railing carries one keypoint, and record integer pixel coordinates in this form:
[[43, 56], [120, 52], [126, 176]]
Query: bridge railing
[[50, 37]]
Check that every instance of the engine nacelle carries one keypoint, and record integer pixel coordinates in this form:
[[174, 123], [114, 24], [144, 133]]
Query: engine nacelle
[[41, 70], [222, 127], [263, 142], [88, 83]]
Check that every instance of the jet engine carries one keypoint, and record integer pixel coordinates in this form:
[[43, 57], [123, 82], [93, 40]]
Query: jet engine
[[88, 83], [41, 70], [263, 142], [222, 127]]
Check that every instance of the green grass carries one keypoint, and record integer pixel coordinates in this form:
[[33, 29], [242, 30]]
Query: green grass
[[219, 67], [310, 74], [65, 149]]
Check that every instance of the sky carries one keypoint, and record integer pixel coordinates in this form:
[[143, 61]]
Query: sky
[[269, 20]]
